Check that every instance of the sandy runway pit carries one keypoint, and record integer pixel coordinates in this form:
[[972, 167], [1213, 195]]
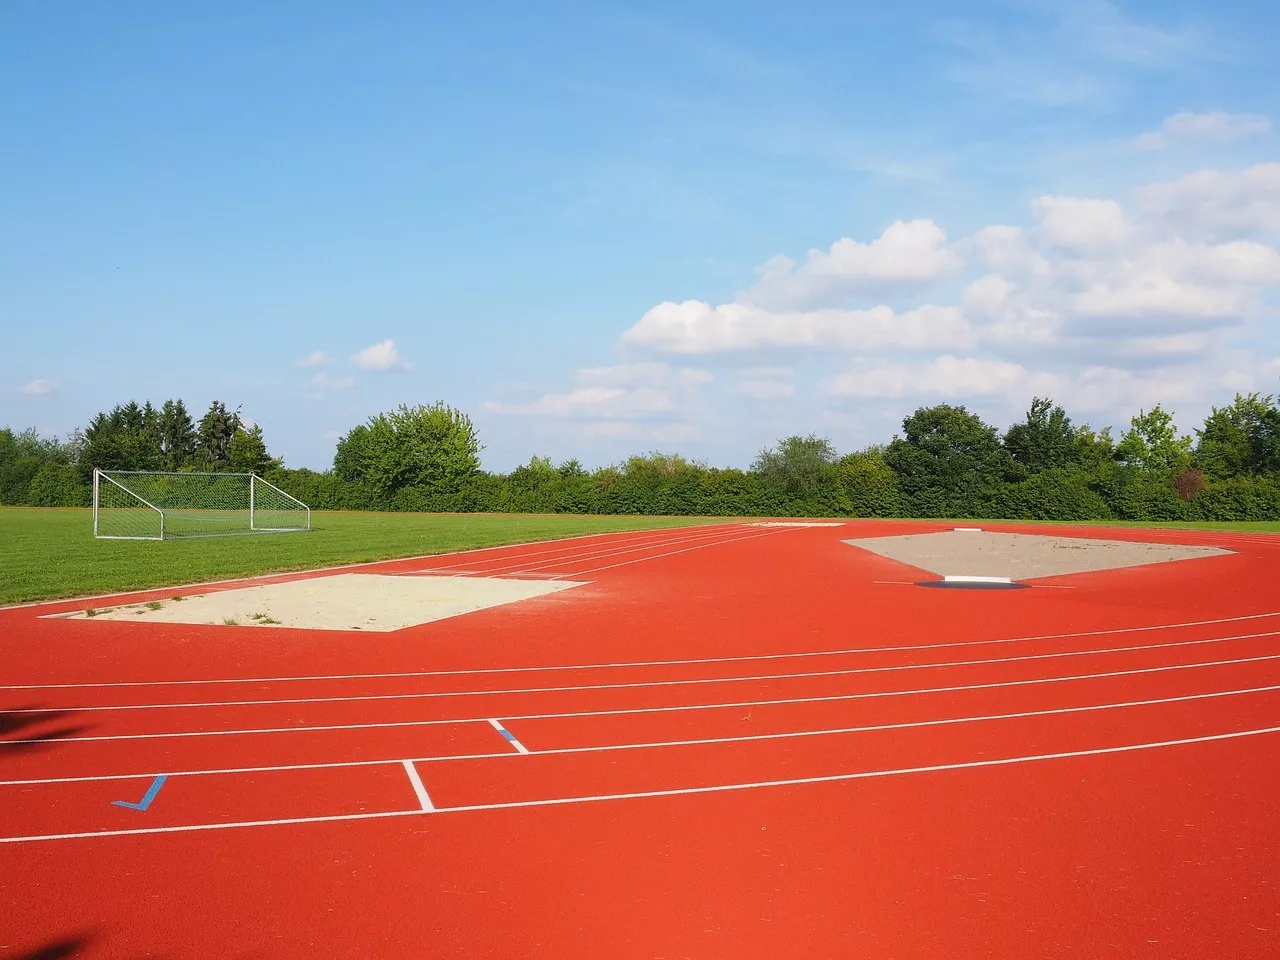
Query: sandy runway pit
[[349, 601], [1022, 556]]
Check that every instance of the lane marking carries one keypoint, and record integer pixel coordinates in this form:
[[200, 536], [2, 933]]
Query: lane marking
[[286, 575], [419, 791], [718, 534], [967, 578], [147, 797], [655, 537], [508, 736], [672, 553], [642, 684], [647, 744], [646, 663], [868, 695], [675, 792]]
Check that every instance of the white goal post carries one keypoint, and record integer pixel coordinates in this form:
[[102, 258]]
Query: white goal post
[[149, 505]]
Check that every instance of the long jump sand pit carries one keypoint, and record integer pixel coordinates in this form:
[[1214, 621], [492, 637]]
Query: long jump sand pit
[[350, 601], [1020, 556]]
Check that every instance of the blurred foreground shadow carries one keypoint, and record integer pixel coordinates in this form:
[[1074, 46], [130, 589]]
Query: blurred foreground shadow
[[18, 729]]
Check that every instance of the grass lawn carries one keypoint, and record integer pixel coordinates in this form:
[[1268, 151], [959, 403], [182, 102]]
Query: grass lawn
[[47, 553]]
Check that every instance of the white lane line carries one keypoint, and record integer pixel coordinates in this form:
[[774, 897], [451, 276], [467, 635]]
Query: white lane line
[[749, 658], [672, 553], [287, 575], [650, 744], [508, 736], [615, 551], [676, 792], [654, 536], [626, 711], [643, 684], [419, 791]]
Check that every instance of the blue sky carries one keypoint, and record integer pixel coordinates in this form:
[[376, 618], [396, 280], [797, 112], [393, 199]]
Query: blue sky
[[603, 229]]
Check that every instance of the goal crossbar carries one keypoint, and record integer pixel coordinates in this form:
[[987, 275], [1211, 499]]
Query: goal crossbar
[[166, 505]]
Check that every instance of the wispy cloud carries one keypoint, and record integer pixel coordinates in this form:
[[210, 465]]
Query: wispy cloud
[[322, 383], [1216, 128], [1064, 52], [317, 359], [40, 387]]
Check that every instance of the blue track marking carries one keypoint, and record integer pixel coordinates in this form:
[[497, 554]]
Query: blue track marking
[[147, 797], [508, 736]]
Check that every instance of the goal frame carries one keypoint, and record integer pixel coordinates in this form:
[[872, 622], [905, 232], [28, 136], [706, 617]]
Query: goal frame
[[100, 476]]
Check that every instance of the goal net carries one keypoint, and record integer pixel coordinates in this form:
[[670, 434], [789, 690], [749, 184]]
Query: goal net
[[142, 505]]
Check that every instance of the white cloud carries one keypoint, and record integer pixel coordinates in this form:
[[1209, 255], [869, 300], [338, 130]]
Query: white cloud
[[317, 359], [1215, 128], [1008, 250], [1217, 202], [322, 383], [1106, 304], [1174, 279], [945, 376], [634, 391], [1080, 223], [1087, 263], [1090, 390], [694, 327], [40, 387], [380, 356], [805, 305], [907, 252]]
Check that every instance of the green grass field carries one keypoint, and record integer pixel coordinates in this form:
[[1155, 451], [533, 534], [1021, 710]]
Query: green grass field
[[47, 553]]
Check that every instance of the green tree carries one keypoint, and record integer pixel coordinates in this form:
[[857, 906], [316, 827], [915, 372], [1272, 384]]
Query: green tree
[[948, 452], [27, 460], [247, 452], [1095, 450], [1241, 439], [178, 436], [798, 465], [217, 427], [1045, 440], [432, 448], [1152, 443], [350, 456], [870, 483], [125, 438]]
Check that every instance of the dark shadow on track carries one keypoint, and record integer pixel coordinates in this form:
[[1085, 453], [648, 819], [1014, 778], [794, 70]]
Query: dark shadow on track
[[17, 729], [62, 949], [57, 950]]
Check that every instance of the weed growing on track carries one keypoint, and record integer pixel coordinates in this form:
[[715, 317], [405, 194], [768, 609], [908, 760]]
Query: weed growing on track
[[51, 553]]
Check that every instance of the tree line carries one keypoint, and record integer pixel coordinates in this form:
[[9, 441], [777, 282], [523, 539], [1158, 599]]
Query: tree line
[[40, 471], [947, 462]]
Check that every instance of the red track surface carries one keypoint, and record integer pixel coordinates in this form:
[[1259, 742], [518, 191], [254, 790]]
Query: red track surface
[[742, 742]]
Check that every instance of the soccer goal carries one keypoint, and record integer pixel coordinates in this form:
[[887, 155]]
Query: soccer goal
[[144, 505]]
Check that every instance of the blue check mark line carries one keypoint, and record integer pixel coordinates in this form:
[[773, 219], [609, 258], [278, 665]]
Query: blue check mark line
[[147, 797]]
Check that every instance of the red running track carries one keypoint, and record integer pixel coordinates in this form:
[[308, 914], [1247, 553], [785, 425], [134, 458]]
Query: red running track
[[735, 741]]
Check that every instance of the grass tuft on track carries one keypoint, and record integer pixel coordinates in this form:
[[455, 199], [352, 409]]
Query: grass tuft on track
[[47, 554]]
